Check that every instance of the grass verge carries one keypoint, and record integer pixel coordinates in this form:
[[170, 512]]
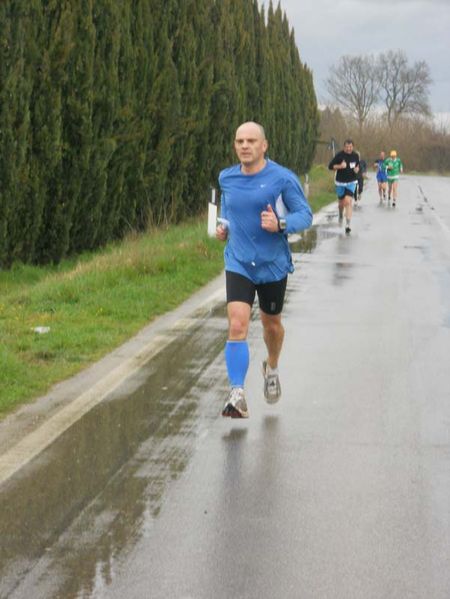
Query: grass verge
[[321, 187], [95, 302]]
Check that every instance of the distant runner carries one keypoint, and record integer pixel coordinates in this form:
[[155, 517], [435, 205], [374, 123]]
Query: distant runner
[[361, 175], [394, 168], [381, 176], [346, 166]]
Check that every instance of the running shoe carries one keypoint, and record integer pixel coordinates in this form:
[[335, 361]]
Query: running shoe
[[347, 230], [236, 406], [272, 387], [393, 204]]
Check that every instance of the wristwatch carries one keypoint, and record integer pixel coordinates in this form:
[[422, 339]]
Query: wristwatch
[[282, 224]]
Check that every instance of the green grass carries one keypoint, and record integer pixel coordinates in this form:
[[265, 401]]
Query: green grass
[[321, 187], [94, 302]]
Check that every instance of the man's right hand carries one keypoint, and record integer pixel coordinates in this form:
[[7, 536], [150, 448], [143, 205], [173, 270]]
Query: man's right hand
[[221, 233]]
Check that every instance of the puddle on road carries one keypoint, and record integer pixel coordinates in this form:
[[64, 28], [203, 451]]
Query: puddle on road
[[309, 239], [57, 540]]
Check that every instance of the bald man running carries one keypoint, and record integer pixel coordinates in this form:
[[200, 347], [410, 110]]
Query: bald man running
[[261, 202]]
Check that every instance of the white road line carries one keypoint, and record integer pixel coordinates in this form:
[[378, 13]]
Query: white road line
[[441, 222]]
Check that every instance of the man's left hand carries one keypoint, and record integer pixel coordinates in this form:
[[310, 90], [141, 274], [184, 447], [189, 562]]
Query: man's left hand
[[269, 220]]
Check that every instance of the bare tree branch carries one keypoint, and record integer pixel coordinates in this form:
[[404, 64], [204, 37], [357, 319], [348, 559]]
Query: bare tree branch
[[354, 85], [404, 89]]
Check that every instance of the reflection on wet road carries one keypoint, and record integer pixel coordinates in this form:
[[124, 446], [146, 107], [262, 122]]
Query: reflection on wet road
[[340, 491]]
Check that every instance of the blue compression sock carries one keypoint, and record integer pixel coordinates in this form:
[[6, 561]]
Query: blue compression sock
[[237, 358]]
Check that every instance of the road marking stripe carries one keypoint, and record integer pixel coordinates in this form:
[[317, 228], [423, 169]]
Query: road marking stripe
[[440, 221]]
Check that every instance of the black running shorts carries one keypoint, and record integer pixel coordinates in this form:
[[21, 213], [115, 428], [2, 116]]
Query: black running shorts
[[270, 295]]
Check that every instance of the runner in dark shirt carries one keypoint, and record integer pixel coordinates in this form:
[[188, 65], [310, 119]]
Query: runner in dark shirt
[[361, 175], [346, 167]]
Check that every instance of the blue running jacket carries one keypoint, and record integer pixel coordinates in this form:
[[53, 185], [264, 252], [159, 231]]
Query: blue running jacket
[[251, 251]]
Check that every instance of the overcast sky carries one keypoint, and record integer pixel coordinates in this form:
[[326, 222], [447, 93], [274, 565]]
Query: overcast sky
[[328, 29]]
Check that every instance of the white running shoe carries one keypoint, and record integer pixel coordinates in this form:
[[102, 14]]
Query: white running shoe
[[235, 406], [272, 387]]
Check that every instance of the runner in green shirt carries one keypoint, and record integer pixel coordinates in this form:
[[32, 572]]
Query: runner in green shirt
[[394, 167]]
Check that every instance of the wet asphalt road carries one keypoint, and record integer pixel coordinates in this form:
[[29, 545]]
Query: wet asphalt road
[[340, 491]]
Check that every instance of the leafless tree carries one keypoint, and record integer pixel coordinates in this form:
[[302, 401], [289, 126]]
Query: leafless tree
[[353, 84], [403, 88]]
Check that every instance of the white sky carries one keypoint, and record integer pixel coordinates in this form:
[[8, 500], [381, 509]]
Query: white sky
[[328, 29]]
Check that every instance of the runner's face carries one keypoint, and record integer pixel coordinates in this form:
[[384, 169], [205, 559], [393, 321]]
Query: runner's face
[[348, 148], [250, 145]]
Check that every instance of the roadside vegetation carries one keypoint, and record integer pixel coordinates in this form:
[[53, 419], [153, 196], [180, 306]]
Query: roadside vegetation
[[93, 303], [116, 116], [382, 102], [321, 188]]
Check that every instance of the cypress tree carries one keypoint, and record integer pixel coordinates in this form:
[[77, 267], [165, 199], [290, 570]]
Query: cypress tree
[[203, 158], [116, 121], [19, 213], [116, 115], [184, 55], [245, 61], [127, 204], [191, 163], [164, 109], [57, 40], [89, 111], [279, 107], [267, 78], [224, 118]]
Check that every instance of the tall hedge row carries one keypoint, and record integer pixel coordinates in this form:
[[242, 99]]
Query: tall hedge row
[[117, 114]]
